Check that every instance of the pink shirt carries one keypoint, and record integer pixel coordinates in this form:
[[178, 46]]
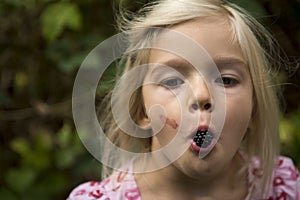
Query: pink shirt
[[285, 184]]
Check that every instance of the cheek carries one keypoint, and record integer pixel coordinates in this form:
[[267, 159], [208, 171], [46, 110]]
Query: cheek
[[238, 117], [165, 124], [161, 106]]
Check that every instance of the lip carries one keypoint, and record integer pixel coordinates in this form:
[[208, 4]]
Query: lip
[[197, 149]]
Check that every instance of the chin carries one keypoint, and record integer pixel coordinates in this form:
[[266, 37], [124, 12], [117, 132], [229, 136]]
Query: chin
[[191, 165], [209, 166]]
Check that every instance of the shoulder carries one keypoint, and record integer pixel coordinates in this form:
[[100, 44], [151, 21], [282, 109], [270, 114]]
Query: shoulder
[[285, 182], [120, 185]]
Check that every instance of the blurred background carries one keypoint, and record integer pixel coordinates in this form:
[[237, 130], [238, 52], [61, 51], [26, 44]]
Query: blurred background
[[42, 44]]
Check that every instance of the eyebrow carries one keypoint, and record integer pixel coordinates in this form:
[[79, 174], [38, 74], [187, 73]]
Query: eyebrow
[[179, 65], [184, 67], [228, 61]]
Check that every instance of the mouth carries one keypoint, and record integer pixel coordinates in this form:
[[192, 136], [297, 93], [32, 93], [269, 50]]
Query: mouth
[[202, 139]]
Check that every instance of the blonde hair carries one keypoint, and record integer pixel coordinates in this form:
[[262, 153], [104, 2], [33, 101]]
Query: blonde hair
[[259, 50]]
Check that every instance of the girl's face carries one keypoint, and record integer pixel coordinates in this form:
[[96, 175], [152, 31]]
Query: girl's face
[[170, 92]]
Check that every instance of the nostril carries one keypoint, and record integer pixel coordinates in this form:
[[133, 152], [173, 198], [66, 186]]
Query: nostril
[[207, 106], [195, 106]]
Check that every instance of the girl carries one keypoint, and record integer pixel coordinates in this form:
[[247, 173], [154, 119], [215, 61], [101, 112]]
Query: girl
[[205, 108]]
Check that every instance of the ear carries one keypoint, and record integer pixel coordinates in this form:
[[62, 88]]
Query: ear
[[145, 123]]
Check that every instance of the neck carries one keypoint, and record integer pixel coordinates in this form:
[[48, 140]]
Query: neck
[[176, 183]]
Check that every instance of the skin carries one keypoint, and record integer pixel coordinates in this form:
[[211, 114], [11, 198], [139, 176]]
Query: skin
[[214, 176]]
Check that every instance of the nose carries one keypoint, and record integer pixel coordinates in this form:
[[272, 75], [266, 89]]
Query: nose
[[201, 98]]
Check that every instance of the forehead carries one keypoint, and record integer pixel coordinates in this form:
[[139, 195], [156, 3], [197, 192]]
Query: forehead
[[214, 35]]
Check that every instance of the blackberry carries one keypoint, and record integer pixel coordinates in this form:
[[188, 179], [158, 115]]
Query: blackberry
[[203, 138]]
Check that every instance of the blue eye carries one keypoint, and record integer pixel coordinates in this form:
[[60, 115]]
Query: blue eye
[[171, 82], [226, 81]]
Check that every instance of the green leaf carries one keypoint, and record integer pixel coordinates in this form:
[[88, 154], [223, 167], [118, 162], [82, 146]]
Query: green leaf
[[20, 179], [43, 140], [64, 136], [21, 146], [70, 147], [38, 159], [65, 158], [72, 63], [21, 81], [58, 16]]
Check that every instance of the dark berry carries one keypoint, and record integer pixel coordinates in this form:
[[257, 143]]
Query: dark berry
[[203, 138]]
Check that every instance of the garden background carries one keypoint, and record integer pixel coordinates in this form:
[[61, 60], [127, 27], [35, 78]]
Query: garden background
[[42, 44]]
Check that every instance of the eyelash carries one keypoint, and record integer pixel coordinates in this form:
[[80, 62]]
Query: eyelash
[[171, 83], [175, 82], [227, 81]]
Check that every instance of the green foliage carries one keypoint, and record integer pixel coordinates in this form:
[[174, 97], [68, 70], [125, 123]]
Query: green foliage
[[69, 147], [254, 7], [43, 157], [290, 136], [25, 3], [69, 55], [43, 154], [25, 177], [58, 16], [36, 157]]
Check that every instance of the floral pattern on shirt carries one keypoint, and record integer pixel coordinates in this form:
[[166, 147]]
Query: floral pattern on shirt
[[285, 184]]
